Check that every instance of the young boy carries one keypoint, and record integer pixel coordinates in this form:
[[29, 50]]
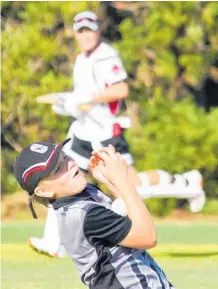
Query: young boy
[[107, 249]]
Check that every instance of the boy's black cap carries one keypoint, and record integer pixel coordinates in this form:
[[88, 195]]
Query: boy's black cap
[[35, 162]]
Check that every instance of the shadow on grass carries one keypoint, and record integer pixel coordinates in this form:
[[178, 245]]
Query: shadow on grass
[[188, 254]]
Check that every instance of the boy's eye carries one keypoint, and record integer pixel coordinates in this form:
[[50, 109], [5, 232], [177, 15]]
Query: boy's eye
[[57, 170], [65, 156]]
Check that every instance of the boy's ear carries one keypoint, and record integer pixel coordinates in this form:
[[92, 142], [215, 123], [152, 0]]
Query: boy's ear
[[39, 191]]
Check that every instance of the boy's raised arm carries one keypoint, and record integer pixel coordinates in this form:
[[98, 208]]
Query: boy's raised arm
[[114, 168]]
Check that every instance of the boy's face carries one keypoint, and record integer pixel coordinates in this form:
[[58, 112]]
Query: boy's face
[[65, 180], [86, 38]]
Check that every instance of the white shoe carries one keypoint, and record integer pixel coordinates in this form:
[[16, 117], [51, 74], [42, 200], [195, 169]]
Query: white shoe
[[61, 252], [196, 203], [40, 246]]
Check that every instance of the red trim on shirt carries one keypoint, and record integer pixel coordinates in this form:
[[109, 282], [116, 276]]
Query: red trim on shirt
[[117, 130], [114, 105]]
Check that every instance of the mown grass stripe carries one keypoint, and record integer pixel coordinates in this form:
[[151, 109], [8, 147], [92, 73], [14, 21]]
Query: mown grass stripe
[[23, 251]]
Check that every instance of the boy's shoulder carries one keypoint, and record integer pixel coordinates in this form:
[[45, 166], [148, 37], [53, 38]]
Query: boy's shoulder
[[80, 204], [104, 51], [75, 208]]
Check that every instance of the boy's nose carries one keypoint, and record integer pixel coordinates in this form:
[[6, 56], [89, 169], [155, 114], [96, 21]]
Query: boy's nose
[[71, 163]]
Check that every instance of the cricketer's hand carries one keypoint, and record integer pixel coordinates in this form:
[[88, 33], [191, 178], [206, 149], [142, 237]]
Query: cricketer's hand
[[51, 98], [85, 107]]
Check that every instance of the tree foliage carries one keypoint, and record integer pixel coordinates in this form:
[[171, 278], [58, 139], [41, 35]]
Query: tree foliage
[[170, 44], [165, 46]]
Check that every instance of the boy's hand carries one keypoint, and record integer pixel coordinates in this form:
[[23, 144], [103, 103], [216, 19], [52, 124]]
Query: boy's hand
[[86, 107], [112, 165], [94, 169]]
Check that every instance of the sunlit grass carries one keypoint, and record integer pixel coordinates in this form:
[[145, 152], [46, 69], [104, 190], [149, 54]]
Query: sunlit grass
[[188, 253]]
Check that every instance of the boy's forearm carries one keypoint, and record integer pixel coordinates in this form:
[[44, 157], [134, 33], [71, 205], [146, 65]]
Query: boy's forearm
[[113, 190], [115, 92], [136, 209]]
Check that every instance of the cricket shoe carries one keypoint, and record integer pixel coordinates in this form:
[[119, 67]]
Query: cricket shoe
[[195, 179], [40, 246]]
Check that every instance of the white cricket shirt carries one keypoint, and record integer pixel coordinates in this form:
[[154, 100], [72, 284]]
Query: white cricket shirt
[[91, 75]]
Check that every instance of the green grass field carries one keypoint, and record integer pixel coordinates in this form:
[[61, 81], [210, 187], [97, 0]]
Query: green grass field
[[188, 253]]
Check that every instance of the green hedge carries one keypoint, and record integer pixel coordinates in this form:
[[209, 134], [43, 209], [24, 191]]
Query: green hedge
[[176, 137], [161, 46]]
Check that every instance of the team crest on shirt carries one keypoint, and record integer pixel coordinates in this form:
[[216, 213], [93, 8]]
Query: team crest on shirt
[[38, 148], [116, 69]]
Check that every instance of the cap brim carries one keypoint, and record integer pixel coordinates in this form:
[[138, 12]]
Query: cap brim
[[85, 23], [54, 159]]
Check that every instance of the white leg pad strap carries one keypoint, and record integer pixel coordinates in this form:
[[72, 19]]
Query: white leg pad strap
[[164, 177]]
